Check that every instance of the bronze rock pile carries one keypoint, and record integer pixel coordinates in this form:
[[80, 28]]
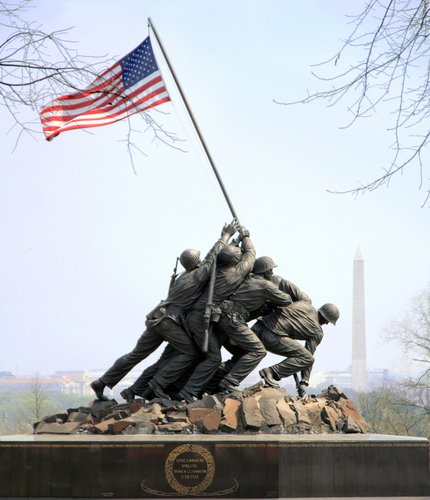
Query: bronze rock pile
[[257, 409]]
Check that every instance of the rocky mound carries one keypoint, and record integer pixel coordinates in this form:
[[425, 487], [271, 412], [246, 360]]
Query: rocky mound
[[257, 409]]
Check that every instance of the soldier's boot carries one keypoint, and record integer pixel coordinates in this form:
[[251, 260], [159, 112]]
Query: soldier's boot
[[226, 386], [158, 390], [98, 387], [267, 376], [186, 396], [147, 393], [128, 395]]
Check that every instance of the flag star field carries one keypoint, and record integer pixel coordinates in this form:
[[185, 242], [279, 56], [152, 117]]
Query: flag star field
[[138, 64]]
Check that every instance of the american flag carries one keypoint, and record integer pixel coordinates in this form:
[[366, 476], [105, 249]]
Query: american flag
[[130, 86]]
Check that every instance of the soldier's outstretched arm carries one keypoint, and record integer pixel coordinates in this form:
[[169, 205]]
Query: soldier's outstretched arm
[[227, 232], [277, 297], [245, 266], [293, 290], [312, 343]]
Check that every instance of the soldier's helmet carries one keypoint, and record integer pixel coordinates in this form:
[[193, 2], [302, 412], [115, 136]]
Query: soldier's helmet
[[189, 259], [229, 256], [263, 264], [330, 312]]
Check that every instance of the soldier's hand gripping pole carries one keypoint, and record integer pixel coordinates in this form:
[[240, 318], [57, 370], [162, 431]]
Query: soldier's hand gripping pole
[[207, 325]]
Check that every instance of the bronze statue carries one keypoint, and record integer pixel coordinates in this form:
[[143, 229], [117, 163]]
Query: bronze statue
[[165, 322], [285, 315]]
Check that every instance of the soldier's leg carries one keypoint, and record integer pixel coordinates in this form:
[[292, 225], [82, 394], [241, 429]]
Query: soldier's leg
[[179, 384], [183, 356], [225, 367], [140, 385], [253, 350], [204, 370], [297, 357], [212, 386], [148, 342]]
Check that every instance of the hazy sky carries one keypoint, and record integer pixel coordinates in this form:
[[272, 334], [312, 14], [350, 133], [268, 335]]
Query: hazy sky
[[88, 246]]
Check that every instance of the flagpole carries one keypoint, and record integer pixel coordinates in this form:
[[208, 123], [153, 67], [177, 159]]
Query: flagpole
[[193, 119]]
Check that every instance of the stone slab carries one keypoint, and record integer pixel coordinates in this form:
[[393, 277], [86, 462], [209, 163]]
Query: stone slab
[[234, 466]]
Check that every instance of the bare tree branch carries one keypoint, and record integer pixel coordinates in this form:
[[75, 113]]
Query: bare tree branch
[[394, 71]]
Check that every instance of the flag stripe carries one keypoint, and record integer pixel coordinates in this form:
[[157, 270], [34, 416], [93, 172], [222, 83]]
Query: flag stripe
[[130, 86], [88, 96], [85, 96], [71, 111], [145, 102], [77, 125], [122, 112]]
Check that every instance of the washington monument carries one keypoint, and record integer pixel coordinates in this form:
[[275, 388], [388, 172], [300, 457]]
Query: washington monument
[[359, 364]]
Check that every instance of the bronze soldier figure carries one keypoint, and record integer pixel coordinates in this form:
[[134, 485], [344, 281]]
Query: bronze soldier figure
[[257, 295], [234, 264], [280, 332], [263, 267], [164, 323]]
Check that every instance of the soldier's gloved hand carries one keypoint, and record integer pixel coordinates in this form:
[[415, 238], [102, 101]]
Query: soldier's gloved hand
[[302, 387], [244, 232], [231, 228]]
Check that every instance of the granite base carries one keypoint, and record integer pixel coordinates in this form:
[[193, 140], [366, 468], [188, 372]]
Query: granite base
[[234, 466]]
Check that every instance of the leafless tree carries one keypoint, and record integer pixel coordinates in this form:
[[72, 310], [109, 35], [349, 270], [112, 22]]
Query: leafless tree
[[36, 66], [412, 332], [36, 404], [405, 409], [38, 399], [390, 46], [393, 411]]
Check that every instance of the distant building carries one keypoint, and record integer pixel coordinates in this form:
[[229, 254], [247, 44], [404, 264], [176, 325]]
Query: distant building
[[28, 384], [343, 380], [64, 381]]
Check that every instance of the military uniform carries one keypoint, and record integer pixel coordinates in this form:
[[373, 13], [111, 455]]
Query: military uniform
[[227, 281], [280, 332], [247, 303]]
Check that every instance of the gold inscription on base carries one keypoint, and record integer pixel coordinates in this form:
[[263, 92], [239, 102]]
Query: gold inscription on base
[[189, 469]]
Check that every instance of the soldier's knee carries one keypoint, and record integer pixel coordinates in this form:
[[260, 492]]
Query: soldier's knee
[[261, 351], [215, 357], [308, 359]]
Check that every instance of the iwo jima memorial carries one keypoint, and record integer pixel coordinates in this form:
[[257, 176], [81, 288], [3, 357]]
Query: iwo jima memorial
[[186, 428]]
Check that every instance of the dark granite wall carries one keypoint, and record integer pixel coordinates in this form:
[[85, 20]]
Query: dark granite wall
[[225, 468]]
